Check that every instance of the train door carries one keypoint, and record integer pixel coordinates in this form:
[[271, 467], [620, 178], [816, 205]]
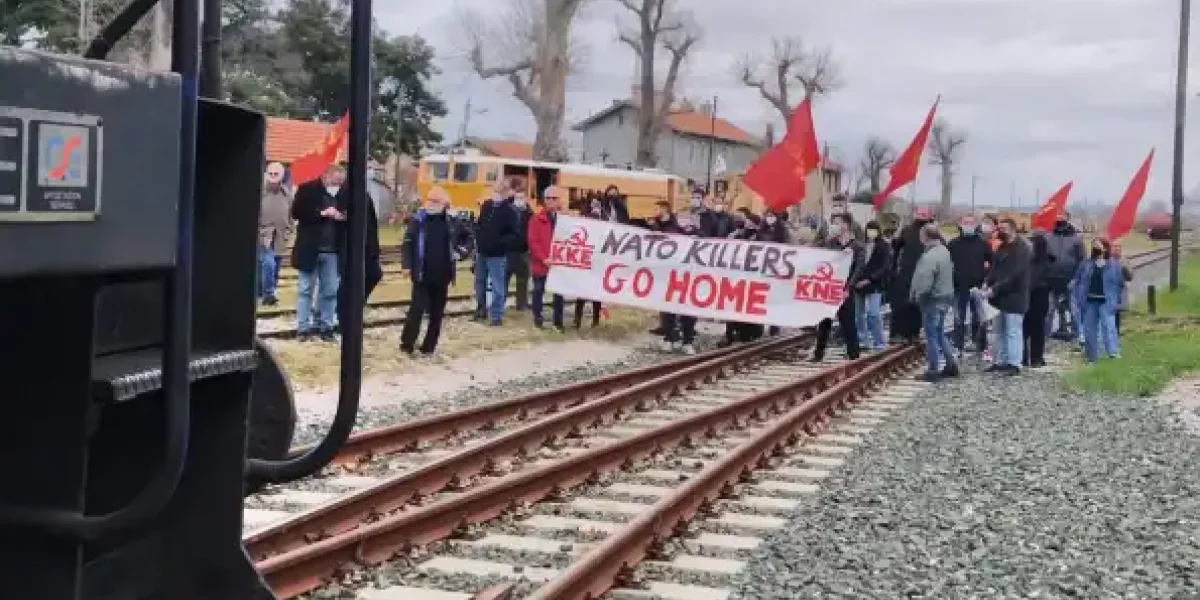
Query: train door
[[543, 178]]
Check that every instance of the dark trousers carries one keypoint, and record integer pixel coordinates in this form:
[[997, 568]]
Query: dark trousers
[[1117, 316], [518, 266], [849, 329], [427, 298], [906, 321], [579, 304], [978, 329], [372, 276], [556, 303], [674, 325], [1035, 326]]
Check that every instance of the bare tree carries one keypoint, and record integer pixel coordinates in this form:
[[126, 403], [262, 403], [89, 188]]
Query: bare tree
[[945, 151], [658, 24], [878, 156], [533, 51], [790, 63]]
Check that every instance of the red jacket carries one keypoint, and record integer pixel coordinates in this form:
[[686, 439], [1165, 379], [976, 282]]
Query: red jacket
[[539, 234]]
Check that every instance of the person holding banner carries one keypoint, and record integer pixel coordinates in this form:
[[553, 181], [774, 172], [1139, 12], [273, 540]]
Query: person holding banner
[[933, 291], [541, 234], [746, 227], [679, 331], [592, 210], [841, 237]]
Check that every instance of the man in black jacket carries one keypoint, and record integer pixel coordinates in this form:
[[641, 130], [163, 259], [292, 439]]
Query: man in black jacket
[[869, 288], [428, 255], [495, 236], [841, 237], [319, 211], [906, 316], [1007, 288], [971, 255], [517, 262]]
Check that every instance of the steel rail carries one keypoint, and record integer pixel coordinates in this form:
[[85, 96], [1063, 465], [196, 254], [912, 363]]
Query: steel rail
[[615, 557], [292, 333], [306, 567], [399, 437], [453, 471]]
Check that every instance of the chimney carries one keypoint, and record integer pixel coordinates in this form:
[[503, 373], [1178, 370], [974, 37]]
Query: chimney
[[635, 93]]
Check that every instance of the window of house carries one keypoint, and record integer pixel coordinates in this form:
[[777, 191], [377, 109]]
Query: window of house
[[437, 171], [466, 172]]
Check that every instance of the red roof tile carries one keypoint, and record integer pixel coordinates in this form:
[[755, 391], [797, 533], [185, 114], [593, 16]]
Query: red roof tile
[[289, 139], [504, 148], [698, 123]]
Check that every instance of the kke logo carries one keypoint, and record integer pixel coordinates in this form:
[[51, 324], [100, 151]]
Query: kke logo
[[574, 252], [821, 286], [62, 155]]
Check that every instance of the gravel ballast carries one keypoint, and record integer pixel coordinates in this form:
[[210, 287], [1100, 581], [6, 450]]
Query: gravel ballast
[[997, 487]]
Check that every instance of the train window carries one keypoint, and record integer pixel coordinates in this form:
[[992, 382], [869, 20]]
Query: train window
[[437, 171], [492, 174], [466, 172]]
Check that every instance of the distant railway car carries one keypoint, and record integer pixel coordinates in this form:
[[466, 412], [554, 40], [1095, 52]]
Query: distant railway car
[[1158, 226], [469, 179]]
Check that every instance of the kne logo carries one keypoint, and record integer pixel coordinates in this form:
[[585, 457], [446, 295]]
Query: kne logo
[[574, 252], [821, 286]]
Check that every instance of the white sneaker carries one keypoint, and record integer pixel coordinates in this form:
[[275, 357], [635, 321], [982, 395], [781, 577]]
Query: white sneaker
[[666, 346], [688, 349]]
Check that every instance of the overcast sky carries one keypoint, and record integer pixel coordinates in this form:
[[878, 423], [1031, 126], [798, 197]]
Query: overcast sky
[[1047, 90]]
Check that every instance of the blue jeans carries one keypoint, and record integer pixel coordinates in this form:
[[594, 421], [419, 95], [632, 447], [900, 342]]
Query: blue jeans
[[937, 346], [323, 280], [1099, 327], [268, 272], [1010, 339], [491, 270], [871, 320]]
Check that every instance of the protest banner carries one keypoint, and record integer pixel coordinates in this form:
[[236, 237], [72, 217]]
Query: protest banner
[[728, 280]]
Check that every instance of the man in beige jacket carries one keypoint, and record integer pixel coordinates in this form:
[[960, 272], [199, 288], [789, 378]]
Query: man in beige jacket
[[274, 222]]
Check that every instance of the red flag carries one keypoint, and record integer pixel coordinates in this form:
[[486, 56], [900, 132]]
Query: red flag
[[1123, 216], [777, 178], [904, 170], [778, 175], [1047, 215], [313, 163]]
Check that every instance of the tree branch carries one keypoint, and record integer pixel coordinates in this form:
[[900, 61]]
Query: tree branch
[[679, 50]]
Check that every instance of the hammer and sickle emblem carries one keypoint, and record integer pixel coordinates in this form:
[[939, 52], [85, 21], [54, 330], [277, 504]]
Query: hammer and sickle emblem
[[823, 271], [579, 237]]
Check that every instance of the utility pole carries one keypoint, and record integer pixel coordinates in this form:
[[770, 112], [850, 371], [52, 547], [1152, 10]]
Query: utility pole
[[974, 182], [821, 176], [466, 124], [712, 141], [1012, 195], [1185, 17]]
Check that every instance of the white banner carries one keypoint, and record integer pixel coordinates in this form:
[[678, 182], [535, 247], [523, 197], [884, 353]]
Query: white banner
[[728, 280]]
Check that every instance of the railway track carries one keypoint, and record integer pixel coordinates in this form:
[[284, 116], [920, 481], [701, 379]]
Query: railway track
[[605, 444]]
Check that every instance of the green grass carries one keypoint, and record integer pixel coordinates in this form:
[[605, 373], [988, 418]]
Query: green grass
[[1154, 349]]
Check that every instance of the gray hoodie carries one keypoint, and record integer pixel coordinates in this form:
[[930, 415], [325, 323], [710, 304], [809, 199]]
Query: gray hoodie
[[933, 281]]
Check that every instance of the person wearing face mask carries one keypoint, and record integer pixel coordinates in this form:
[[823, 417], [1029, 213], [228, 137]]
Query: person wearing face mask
[[747, 228], [1006, 287], [517, 264], [971, 255], [715, 221], [315, 251], [869, 288], [774, 228], [679, 331], [1097, 287], [906, 316], [1066, 245], [495, 236], [932, 290], [841, 237], [663, 222], [274, 221], [428, 256]]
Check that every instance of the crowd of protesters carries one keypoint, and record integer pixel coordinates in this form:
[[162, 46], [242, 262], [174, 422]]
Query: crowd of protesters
[[989, 291]]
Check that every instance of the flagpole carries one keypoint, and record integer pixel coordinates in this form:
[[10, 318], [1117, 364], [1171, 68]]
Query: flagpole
[[1185, 17]]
